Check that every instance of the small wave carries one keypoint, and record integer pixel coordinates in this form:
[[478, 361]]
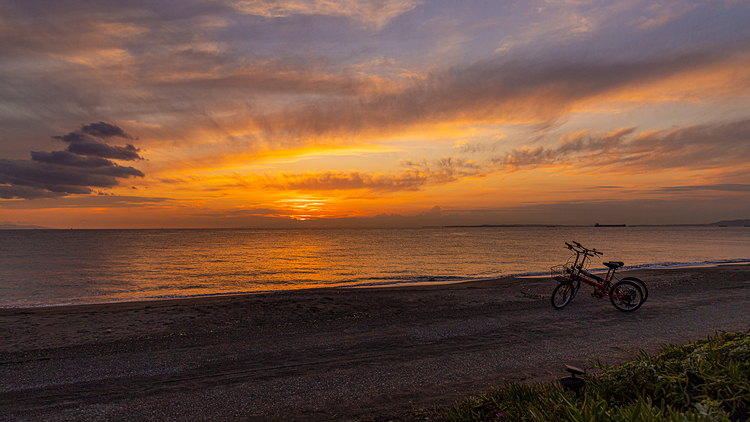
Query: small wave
[[40, 305], [395, 281], [522, 275], [687, 264], [188, 296]]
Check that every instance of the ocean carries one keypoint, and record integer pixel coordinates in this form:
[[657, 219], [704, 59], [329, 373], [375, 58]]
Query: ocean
[[56, 267]]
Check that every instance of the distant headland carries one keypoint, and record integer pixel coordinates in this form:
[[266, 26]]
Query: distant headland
[[732, 223]]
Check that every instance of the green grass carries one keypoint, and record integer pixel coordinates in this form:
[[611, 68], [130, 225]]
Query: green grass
[[708, 380]]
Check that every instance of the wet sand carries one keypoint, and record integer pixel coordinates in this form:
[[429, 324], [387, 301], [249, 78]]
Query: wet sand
[[337, 354]]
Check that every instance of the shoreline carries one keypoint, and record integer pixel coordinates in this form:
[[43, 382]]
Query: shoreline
[[337, 354], [627, 269]]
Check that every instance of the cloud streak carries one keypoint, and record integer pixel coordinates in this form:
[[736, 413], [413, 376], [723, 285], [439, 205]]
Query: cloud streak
[[354, 180], [414, 176], [724, 187], [293, 97], [370, 13], [707, 146], [490, 92]]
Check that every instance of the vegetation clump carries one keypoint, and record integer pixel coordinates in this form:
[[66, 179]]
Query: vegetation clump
[[708, 380]]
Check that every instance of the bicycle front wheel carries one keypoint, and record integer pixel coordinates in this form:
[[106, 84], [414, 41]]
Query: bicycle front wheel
[[626, 296], [562, 295]]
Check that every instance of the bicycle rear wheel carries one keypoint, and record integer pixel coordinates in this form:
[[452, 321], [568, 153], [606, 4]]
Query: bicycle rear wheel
[[640, 284], [562, 295], [626, 296]]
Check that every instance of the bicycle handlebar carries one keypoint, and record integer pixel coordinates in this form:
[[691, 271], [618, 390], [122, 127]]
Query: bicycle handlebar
[[595, 252], [583, 250]]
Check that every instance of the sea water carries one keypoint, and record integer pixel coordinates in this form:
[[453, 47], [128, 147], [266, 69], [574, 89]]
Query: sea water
[[54, 267]]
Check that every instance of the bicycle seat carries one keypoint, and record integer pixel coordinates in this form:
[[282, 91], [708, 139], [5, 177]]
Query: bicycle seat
[[613, 264]]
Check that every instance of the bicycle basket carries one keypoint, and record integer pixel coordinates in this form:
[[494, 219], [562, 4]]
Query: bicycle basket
[[560, 273]]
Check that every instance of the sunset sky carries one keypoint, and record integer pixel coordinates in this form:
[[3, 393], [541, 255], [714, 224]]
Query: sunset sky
[[245, 113]]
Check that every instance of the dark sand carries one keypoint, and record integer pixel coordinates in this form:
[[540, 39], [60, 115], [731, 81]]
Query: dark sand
[[337, 354]]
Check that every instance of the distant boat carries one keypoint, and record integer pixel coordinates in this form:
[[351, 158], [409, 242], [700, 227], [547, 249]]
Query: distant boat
[[609, 225]]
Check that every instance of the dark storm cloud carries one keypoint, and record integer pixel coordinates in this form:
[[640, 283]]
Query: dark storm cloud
[[83, 166], [83, 142], [67, 158], [96, 149], [25, 192], [104, 130], [62, 178], [72, 137]]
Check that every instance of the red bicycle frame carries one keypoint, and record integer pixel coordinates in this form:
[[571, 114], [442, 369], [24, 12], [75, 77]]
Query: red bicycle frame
[[578, 273]]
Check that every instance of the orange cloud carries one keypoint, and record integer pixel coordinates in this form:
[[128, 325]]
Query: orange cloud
[[332, 180], [415, 176]]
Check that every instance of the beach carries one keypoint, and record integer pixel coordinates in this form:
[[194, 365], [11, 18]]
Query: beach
[[338, 354]]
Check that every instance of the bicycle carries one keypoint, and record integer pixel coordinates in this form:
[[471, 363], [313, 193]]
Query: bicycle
[[583, 267], [626, 295]]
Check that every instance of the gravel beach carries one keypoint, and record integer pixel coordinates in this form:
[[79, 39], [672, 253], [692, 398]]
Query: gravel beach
[[337, 354]]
